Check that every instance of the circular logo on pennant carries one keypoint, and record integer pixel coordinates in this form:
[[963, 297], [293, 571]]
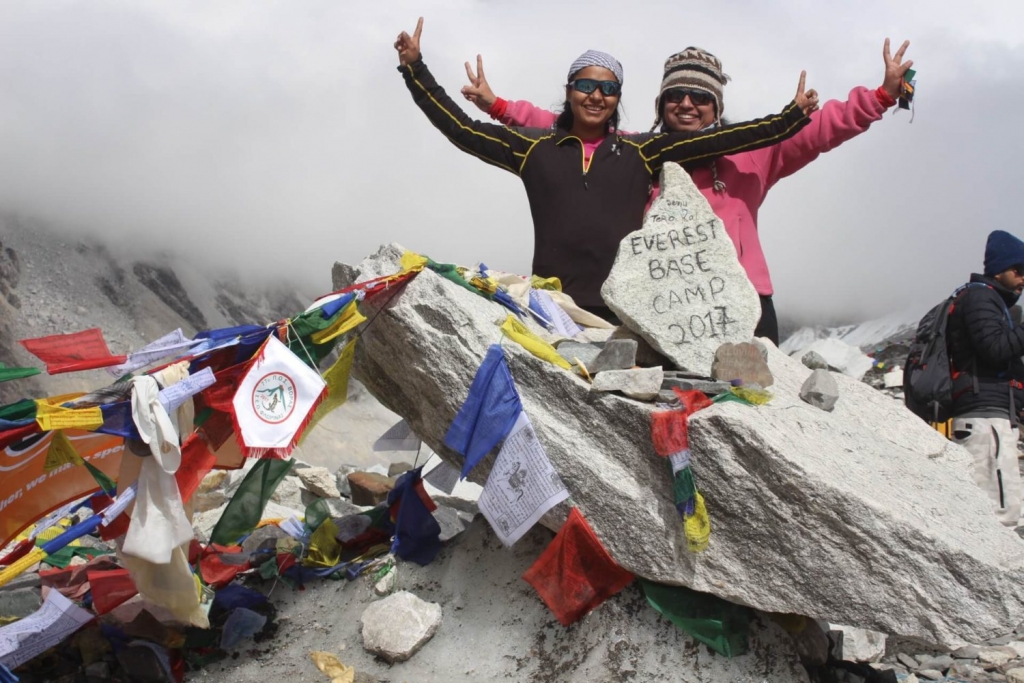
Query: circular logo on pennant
[[273, 397]]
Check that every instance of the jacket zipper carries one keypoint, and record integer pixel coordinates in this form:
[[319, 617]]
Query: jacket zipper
[[583, 158]]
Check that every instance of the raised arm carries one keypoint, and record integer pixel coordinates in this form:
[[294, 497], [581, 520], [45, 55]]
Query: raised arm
[[837, 121], [494, 144], [681, 148], [510, 113]]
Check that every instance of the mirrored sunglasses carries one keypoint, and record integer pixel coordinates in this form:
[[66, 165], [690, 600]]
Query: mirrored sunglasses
[[589, 85], [697, 97]]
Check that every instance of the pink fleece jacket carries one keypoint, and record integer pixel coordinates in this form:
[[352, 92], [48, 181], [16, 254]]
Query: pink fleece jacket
[[749, 175]]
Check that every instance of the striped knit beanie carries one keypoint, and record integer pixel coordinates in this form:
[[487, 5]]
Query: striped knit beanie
[[696, 69], [595, 58]]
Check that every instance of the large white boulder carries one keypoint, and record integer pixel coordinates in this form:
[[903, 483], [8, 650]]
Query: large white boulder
[[863, 516]]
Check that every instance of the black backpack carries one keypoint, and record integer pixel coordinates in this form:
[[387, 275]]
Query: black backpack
[[927, 383]]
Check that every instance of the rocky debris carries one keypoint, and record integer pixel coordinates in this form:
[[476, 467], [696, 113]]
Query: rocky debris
[[397, 468], [163, 282], [399, 625], [841, 356], [678, 281], [319, 481], [263, 538], [743, 362], [1015, 675], [860, 645], [643, 384], [646, 355], [19, 603], [709, 387], [820, 390], [24, 580], [912, 523], [617, 354], [341, 476], [814, 361], [369, 488], [997, 655], [574, 351]]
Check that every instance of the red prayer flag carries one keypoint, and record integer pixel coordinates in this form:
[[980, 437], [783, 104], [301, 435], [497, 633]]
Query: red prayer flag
[[110, 589], [83, 350], [196, 463], [575, 573]]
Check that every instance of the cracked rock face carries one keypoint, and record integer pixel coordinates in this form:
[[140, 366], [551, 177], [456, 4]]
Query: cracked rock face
[[863, 516]]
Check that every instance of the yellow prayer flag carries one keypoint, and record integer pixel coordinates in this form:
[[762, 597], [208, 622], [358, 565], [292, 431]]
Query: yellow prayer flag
[[411, 261], [51, 416], [347, 320], [61, 453], [324, 549], [519, 333], [549, 283], [698, 527], [332, 666], [336, 378]]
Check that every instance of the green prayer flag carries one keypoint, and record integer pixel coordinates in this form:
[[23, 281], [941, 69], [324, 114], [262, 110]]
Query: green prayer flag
[[245, 509], [7, 373], [683, 486], [717, 623], [24, 409], [62, 558], [105, 482]]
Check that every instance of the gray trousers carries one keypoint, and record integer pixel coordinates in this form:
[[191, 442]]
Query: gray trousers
[[992, 441]]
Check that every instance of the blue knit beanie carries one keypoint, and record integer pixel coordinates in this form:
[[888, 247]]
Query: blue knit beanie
[[1002, 252]]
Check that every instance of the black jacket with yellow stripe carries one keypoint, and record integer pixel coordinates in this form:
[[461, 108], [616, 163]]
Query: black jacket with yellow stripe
[[581, 213]]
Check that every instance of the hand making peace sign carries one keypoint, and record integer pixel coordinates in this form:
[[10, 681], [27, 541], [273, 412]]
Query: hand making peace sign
[[895, 68]]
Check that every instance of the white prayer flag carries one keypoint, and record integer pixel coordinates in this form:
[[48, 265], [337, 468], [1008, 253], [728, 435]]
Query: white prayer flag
[[522, 485], [275, 401]]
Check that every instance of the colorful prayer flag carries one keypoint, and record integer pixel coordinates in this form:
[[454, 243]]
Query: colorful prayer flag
[[83, 350], [275, 401], [488, 413]]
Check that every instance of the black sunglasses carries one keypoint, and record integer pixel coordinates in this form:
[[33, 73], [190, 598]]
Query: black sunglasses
[[589, 85], [698, 97]]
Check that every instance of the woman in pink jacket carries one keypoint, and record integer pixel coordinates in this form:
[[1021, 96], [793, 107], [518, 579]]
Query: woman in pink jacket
[[735, 186]]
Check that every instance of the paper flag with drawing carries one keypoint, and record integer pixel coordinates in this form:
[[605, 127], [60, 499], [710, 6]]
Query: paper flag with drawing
[[522, 485]]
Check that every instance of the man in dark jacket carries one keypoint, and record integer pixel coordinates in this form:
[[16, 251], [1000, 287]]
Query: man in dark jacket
[[985, 348]]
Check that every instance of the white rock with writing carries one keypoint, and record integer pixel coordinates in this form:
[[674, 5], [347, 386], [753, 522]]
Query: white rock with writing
[[678, 282]]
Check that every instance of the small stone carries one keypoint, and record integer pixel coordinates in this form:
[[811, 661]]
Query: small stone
[[820, 390], [646, 355], [369, 488], [643, 384], [399, 625], [996, 655], [1015, 675], [19, 603], [265, 537], [23, 580], [906, 660], [319, 481], [1017, 646], [688, 384], [742, 362], [930, 674], [814, 361], [966, 668], [450, 522], [941, 662], [911, 678], [667, 396], [861, 645], [966, 652], [617, 354], [397, 468], [97, 671], [573, 351]]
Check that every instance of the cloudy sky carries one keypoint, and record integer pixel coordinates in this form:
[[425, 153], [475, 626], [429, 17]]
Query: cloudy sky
[[278, 137]]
